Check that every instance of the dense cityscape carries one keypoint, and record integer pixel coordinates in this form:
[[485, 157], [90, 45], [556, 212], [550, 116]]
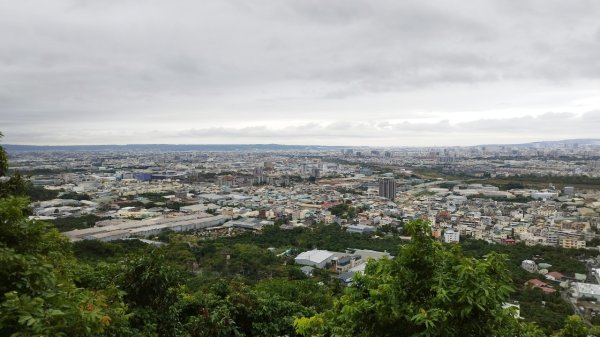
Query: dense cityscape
[[529, 195]]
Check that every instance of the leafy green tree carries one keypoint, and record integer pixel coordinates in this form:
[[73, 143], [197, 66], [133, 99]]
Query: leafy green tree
[[152, 287], [3, 160], [574, 327], [306, 292], [37, 193], [37, 294], [550, 315], [429, 289], [75, 196], [274, 316], [15, 185], [213, 312], [594, 331], [80, 222]]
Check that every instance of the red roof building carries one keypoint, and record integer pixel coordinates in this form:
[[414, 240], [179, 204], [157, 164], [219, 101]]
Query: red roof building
[[535, 283], [554, 276]]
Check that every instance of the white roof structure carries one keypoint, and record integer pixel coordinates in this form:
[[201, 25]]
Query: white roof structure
[[146, 227], [314, 256], [360, 268], [193, 208], [586, 289], [367, 254]]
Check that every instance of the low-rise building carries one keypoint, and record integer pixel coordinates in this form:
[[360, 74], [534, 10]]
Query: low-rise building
[[142, 228], [535, 283], [586, 290], [451, 236], [572, 243], [361, 229], [315, 258], [554, 276], [530, 266]]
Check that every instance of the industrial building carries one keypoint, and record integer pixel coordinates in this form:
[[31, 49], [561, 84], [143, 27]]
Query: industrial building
[[315, 258], [146, 227]]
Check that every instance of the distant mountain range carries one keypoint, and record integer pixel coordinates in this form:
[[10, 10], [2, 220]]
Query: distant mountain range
[[553, 143], [246, 147], [571, 142]]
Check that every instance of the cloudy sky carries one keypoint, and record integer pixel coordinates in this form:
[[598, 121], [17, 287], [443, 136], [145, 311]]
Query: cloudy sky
[[334, 72]]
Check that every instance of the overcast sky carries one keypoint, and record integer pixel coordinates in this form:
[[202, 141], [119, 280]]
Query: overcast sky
[[333, 72]]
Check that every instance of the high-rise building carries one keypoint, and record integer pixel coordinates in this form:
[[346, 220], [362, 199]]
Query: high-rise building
[[316, 173], [387, 188], [259, 177]]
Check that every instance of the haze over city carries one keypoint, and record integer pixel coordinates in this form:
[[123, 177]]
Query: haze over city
[[385, 73]]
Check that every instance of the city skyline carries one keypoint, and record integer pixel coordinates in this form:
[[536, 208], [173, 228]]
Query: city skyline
[[345, 73]]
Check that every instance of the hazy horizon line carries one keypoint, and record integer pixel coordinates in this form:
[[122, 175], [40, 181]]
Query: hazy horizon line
[[571, 140]]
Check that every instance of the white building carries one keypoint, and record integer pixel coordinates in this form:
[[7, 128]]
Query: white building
[[450, 236], [361, 229], [596, 273], [146, 227], [316, 258], [530, 266], [589, 290], [544, 195]]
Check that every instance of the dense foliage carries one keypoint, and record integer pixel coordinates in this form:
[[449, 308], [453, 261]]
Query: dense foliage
[[566, 261], [75, 196], [331, 237], [427, 290], [37, 193], [547, 310], [71, 223]]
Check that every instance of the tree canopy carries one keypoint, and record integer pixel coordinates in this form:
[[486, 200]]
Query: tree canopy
[[428, 289]]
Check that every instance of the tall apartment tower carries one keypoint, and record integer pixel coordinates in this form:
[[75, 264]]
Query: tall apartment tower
[[387, 188], [259, 175]]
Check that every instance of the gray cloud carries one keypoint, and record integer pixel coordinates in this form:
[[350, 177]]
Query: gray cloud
[[236, 65], [549, 126]]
